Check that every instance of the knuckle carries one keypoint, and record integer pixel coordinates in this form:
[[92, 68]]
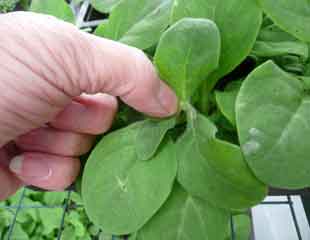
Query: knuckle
[[55, 50], [140, 80]]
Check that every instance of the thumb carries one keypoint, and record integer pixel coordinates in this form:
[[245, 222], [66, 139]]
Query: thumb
[[46, 62], [126, 72]]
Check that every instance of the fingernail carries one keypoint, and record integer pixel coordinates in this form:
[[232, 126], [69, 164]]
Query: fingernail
[[16, 164], [31, 168], [167, 99]]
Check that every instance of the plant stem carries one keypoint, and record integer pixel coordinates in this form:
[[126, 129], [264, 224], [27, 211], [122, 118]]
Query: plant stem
[[204, 104]]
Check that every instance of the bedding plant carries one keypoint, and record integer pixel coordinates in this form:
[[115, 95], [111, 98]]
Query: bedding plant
[[40, 216], [241, 71]]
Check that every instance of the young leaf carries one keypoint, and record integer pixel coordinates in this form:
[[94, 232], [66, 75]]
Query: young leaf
[[272, 33], [291, 16], [121, 192], [287, 51], [239, 22], [226, 100], [146, 33], [215, 170], [273, 113], [185, 217], [150, 135], [187, 53], [273, 49], [104, 6], [57, 8], [138, 23]]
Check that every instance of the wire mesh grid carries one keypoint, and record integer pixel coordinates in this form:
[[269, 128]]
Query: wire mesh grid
[[66, 207], [16, 209], [69, 205]]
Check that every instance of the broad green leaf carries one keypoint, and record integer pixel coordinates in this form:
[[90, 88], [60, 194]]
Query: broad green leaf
[[291, 16], [150, 135], [121, 192], [272, 33], [239, 22], [57, 8], [147, 33], [273, 49], [273, 113], [242, 227], [226, 100], [187, 53], [193, 9], [215, 170], [104, 6], [184, 217], [138, 23]]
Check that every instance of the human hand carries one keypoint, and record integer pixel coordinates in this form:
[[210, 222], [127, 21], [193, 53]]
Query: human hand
[[46, 66]]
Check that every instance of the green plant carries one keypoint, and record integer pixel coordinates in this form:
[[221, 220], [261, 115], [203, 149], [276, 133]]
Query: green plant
[[40, 216], [241, 127], [7, 5]]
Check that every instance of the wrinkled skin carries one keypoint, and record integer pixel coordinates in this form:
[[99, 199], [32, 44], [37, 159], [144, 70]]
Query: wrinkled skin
[[58, 89]]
